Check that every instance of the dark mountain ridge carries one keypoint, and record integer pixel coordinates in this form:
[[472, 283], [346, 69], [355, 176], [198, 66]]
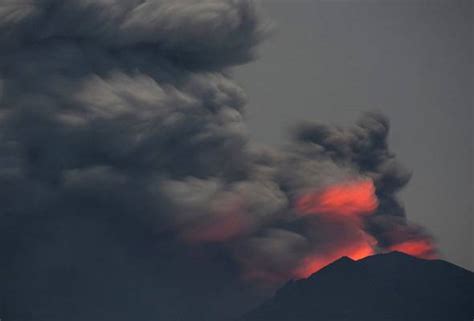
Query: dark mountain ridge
[[383, 287]]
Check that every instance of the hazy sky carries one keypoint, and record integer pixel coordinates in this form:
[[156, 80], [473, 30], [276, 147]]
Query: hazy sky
[[412, 60]]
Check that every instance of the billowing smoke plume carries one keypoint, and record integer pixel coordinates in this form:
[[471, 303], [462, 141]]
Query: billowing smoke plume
[[124, 111]]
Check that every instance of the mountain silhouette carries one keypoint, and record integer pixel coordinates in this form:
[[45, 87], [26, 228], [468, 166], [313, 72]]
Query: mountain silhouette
[[383, 287]]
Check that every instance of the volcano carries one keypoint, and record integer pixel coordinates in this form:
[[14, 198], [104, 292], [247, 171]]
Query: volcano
[[384, 287]]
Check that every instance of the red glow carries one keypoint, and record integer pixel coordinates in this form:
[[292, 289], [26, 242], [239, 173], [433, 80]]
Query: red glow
[[313, 264], [347, 199], [227, 222], [419, 248]]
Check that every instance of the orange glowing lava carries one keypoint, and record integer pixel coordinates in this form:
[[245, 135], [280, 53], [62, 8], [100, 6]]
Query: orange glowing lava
[[313, 264], [347, 199], [420, 248]]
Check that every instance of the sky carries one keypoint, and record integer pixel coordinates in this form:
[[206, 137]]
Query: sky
[[412, 60]]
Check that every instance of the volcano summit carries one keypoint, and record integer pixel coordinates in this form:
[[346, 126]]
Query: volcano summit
[[384, 287]]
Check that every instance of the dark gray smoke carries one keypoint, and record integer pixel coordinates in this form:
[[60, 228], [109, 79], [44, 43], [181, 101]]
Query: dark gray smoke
[[124, 155]]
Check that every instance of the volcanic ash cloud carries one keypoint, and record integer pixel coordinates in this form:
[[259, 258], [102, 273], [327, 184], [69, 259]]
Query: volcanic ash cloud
[[127, 109]]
